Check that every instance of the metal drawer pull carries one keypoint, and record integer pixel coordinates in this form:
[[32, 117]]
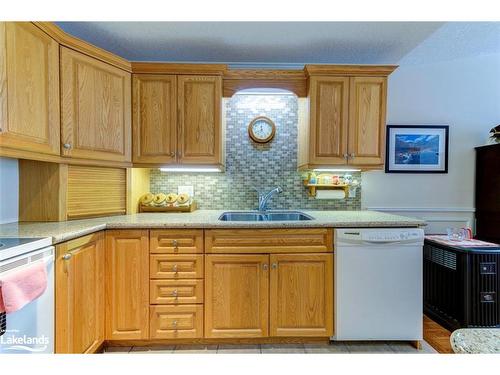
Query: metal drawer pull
[[265, 266], [175, 243], [274, 266], [67, 256], [174, 324], [174, 268], [174, 293]]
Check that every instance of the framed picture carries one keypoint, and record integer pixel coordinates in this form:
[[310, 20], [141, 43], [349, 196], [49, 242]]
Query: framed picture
[[416, 149]]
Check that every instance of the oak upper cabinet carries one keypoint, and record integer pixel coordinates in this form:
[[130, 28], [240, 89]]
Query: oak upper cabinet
[[154, 118], [29, 90], [80, 295], [301, 295], [367, 109], [200, 122], [95, 109], [329, 97], [236, 296], [127, 284]]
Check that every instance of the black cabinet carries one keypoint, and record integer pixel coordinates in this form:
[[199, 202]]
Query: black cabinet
[[488, 193]]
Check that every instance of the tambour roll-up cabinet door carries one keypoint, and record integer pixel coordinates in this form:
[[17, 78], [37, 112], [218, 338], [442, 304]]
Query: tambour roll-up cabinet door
[[29, 89]]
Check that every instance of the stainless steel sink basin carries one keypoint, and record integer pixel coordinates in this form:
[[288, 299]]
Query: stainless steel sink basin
[[264, 216]]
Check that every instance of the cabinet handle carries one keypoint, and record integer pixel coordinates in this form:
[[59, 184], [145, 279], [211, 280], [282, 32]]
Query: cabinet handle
[[346, 156], [175, 243], [67, 146], [174, 324], [265, 267], [174, 293], [352, 155], [274, 266], [174, 268], [172, 154], [67, 256]]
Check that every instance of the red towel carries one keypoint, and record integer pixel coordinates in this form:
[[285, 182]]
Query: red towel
[[20, 287]]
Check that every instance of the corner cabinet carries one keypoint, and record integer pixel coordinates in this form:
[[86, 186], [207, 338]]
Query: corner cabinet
[[342, 122], [95, 109], [29, 91], [79, 284], [177, 119], [127, 284]]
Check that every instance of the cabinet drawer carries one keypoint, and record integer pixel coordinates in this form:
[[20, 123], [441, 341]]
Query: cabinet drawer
[[314, 240], [181, 241], [176, 321], [164, 292], [176, 266]]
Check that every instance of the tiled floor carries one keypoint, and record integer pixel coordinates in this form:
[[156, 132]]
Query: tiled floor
[[334, 347]]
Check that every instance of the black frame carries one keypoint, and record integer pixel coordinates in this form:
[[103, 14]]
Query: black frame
[[446, 141]]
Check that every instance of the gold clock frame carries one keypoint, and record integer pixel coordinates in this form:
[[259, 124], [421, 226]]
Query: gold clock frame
[[254, 137]]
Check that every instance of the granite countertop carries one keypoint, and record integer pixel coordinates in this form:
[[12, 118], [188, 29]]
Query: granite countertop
[[476, 340], [66, 230]]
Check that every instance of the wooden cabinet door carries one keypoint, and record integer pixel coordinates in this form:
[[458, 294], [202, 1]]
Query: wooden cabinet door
[[367, 109], [301, 295], [200, 138], [236, 295], [328, 120], [127, 284], [154, 118], [29, 89], [95, 108], [80, 295]]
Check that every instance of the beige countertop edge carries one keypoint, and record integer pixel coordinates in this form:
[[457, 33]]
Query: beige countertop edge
[[64, 231]]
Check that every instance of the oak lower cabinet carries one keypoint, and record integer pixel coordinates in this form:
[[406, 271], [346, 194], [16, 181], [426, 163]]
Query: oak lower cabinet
[[236, 296], [127, 284], [29, 91], [301, 295], [280, 295], [176, 293], [95, 109], [80, 295]]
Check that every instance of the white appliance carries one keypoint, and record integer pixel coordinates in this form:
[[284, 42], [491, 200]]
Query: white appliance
[[30, 329], [378, 284]]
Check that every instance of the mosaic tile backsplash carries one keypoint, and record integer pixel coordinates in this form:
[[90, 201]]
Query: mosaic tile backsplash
[[253, 165]]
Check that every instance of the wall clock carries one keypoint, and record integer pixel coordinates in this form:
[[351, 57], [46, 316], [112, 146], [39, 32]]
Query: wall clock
[[261, 129]]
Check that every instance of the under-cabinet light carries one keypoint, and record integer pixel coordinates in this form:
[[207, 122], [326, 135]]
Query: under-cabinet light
[[191, 169], [335, 170]]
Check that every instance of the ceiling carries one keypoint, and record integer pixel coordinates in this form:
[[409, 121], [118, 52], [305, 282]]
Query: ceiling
[[257, 43]]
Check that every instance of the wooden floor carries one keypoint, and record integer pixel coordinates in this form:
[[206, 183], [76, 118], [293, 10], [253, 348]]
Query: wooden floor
[[437, 336]]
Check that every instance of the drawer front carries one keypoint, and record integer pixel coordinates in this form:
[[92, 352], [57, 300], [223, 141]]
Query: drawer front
[[314, 240], [181, 241], [176, 321], [176, 266], [166, 292]]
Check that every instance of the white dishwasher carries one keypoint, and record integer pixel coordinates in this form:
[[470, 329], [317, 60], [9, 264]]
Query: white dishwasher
[[378, 284]]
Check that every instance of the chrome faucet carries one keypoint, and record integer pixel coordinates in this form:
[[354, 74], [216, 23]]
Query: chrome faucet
[[265, 196]]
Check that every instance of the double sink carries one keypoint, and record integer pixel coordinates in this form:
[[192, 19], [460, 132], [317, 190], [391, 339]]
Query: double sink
[[264, 216]]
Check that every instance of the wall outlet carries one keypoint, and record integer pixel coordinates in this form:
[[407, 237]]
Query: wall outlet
[[186, 189]]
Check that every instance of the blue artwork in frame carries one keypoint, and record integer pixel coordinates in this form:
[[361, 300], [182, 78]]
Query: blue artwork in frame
[[417, 149]]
